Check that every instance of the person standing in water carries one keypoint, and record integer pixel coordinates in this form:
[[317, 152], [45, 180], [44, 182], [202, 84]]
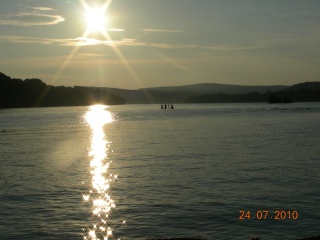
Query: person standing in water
[[165, 106]]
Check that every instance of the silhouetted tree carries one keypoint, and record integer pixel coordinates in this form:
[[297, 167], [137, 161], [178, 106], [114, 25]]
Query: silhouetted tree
[[35, 93]]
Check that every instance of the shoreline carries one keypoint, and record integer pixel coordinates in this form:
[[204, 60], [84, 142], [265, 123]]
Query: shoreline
[[254, 238]]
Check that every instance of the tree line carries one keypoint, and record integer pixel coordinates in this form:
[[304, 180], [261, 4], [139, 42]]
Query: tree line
[[302, 92], [17, 93]]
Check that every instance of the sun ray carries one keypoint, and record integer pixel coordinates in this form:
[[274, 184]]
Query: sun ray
[[119, 54], [122, 58], [126, 64], [62, 67], [70, 56], [106, 5], [105, 34]]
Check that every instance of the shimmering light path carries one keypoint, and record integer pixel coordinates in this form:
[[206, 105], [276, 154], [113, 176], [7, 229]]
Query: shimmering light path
[[99, 197]]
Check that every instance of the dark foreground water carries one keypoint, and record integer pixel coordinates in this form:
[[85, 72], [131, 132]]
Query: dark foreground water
[[137, 172]]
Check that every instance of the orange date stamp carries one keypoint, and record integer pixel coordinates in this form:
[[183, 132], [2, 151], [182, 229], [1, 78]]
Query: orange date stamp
[[266, 214]]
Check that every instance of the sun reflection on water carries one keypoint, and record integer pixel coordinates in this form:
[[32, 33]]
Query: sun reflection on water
[[99, 197]]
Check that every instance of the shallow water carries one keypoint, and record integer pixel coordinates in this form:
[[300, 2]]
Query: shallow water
[[185, 172]]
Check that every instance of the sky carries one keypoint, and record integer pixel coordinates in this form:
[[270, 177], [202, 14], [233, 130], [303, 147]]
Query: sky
[[133, 44]]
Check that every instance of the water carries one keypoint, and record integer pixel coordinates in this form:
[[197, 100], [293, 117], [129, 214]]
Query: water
[[185, 172]]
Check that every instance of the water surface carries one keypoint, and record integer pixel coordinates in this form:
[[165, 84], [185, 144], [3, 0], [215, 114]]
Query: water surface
[[185, 172]]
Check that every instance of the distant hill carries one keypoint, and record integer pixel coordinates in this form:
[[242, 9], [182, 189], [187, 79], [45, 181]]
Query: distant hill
[[305, 85], [210, 88], [228, 98], [34, 93], [178, 94], [302, 92]]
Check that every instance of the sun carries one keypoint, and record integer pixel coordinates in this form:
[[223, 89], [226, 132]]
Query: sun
[[96, 19]]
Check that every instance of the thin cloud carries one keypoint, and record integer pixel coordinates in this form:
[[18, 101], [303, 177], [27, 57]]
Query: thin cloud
[[31, 40], [43, 8], [124, 42], [27, 19], [147, 30], [131, 42], [84, 41], [233, 48], [135, 43], [115, 30]]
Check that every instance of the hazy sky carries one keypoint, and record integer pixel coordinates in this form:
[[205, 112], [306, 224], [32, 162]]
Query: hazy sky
[[146, 43]]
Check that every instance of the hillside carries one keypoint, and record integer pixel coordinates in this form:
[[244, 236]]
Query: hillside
[[16, 93], [35, 93], [306, 86], [210, 88], [178, 94], [302, 92]]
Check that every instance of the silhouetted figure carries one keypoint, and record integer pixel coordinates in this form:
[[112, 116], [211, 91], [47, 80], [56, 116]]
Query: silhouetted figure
[[161, 106], [172, 106], [165, 106]]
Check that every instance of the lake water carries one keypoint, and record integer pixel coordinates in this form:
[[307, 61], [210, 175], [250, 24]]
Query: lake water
[[138, 172]]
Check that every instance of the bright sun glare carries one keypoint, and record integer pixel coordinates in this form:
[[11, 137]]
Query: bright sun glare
[[96, 19]]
